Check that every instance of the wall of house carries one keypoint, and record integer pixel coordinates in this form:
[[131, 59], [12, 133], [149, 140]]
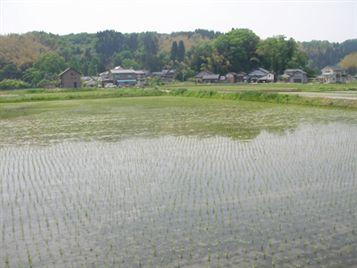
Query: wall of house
[[334, 77], [298, 78], [71, 79]]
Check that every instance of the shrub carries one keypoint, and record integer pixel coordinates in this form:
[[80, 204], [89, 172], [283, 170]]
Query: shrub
[[155, 81], [47, 83], [178, 91], [13, 84]]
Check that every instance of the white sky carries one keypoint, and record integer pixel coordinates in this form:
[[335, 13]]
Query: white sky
[[333, 20]]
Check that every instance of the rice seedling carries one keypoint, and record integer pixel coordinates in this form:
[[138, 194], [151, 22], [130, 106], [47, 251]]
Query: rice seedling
[[207, 182]]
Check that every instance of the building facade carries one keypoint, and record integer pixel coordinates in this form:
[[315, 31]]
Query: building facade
[[295, 76], [261, 75], [333, 74], [70, 78]]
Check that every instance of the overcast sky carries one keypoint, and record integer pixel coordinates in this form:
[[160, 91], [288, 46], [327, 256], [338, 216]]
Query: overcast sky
[[304, 20]]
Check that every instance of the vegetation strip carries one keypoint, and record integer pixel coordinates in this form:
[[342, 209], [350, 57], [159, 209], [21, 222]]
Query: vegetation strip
[[272, 97]]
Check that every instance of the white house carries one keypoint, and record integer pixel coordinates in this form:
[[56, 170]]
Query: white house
[[333, 74], [261, 75]]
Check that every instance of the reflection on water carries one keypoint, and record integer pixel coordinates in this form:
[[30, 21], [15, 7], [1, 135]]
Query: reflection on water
[[115, 119]]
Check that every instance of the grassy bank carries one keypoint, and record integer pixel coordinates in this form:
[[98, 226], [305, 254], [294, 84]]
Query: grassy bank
[[266, 97], [29, 95], [267, 87], [69, 94]]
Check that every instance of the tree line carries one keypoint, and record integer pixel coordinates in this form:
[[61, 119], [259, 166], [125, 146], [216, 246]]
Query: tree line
[[239, 50]]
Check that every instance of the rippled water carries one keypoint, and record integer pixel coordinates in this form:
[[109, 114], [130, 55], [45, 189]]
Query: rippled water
[[178, 183]]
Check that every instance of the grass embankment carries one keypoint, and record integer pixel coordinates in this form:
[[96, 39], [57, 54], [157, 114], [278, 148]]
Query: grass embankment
[[251, 93], [267, 87], [267, 97], [68, 94]]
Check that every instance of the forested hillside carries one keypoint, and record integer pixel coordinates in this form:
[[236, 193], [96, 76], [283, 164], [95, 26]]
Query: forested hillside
[[37, 57], [322, 53]]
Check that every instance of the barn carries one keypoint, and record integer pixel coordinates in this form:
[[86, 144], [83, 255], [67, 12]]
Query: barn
[[70, 78]]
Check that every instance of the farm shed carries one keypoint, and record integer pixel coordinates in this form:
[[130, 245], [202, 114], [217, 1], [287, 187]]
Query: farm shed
[[70, 78]]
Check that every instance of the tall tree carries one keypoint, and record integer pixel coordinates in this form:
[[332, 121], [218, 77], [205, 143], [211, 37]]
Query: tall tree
[[173, 53], [108, 43], [149, 47], [181, 51]]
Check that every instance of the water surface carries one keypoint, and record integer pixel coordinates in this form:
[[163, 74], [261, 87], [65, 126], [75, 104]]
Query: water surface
[[177, 181]]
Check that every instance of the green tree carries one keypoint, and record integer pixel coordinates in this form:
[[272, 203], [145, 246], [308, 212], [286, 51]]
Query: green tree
[[173, 53], [51, 64], [149, 48], [33, 76], [277, 54], [199, 56], [130, 63], [121, 56], [184, 72], [237, 48], [181, 51], [107, 44], [93, 67], [9, 71]]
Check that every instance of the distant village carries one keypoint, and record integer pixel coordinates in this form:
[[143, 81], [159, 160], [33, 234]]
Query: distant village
[[121, 77]]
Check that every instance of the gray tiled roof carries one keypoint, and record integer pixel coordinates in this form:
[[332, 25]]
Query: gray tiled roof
[[210, 77]]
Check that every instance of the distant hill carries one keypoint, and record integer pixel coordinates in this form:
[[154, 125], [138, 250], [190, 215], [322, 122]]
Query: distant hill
[[323, 53], [26, 48]]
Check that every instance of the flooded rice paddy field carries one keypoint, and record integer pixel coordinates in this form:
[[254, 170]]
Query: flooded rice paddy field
[[177, 182]]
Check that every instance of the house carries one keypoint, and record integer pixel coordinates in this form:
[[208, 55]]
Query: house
[[166, 75], [210, 78], [294, 76], [106, 78], [207, 77], [88, 81], [261, 75], [200, 75], [123, 77], [333, 74], [242, 77], [233, 77], [70, 78]]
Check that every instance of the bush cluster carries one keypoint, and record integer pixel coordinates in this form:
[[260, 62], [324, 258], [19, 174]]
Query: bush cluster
[[13, 84]]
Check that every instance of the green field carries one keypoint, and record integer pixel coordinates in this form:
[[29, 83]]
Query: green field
[[171, 181], [338, 95], [117, 117], [269, 87]]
